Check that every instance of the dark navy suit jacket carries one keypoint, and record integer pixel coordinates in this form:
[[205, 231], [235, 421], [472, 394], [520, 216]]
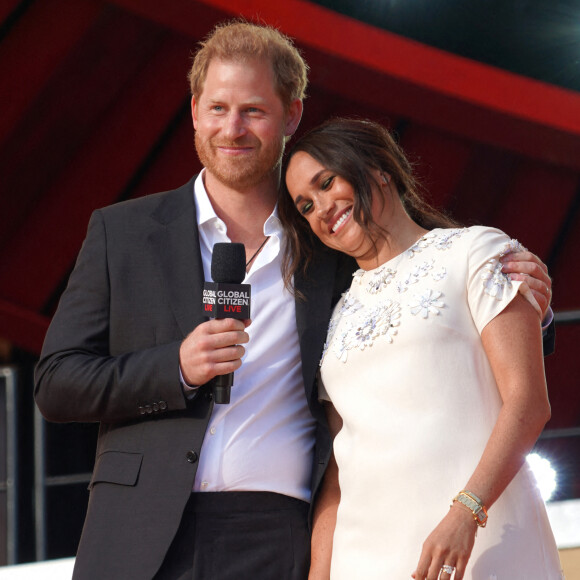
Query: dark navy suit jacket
[[111, 355]]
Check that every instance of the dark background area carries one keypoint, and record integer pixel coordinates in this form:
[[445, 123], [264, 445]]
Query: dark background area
[[539, 39]]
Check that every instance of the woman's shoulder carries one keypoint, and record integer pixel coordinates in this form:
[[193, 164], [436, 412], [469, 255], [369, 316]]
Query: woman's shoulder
[[467, 236], [491, 239]]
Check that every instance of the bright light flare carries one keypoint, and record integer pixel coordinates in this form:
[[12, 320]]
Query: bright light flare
[[544, 473]]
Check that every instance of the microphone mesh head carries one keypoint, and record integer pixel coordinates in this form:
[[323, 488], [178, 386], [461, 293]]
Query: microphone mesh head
[[228, 263]]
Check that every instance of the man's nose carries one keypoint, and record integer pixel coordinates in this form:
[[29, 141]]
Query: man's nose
[[234, 126]]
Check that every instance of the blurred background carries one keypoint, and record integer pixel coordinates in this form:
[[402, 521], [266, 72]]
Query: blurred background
[[94, 108]]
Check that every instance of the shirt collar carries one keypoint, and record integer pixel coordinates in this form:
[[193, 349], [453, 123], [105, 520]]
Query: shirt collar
[[207, 215], [205, 210]]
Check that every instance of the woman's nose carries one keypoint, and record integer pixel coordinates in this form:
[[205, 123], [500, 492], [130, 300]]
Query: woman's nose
[[324, 207]]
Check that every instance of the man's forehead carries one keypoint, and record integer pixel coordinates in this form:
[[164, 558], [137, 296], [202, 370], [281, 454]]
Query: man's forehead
[[223, 81], [247, 62]]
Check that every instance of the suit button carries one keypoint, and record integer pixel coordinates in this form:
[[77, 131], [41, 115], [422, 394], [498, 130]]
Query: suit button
[[162, 405], [156, 407], [142, 411], [191, 456], [148, 409]]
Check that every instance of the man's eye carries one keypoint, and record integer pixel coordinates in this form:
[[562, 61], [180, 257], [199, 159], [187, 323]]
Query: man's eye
[[306, 208]]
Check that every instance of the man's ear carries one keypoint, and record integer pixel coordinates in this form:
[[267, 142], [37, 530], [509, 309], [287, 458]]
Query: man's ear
[[293, 117], [194, 112]]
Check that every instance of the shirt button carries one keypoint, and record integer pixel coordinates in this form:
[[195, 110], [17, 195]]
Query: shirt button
[[204, 484], [191, 456], [212, 430]]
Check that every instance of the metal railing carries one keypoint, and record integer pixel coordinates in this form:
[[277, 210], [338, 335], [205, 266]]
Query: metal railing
[[9, 485], [42, 482]]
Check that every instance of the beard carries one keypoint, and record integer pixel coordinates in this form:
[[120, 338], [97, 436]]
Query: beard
[[243, 171]]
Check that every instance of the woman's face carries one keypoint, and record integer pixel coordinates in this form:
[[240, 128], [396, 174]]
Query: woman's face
[[326, 200]]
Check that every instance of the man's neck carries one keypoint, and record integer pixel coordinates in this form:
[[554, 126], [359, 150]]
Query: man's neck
[[243, 211]]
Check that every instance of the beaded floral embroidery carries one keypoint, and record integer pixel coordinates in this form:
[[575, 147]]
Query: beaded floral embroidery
[[439, 274], [382, 320], [494, 280], [349, 306], [426, 303], [442, 240], [419, 271], [380, 279]]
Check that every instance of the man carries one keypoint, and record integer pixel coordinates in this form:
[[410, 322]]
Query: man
[[183, 488]]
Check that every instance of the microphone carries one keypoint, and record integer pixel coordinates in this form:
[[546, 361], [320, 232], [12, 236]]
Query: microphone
[[226, 297]]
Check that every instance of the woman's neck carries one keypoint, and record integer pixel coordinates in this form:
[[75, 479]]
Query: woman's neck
[[400, 233]]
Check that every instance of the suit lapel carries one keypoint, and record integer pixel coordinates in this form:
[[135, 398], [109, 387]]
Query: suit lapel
[[175, 243], [313, 314]]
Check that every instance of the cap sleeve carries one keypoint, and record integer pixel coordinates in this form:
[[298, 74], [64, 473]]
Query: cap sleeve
[[489, 289]]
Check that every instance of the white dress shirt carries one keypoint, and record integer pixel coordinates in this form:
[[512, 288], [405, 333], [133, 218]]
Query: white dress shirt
[[264, 439]]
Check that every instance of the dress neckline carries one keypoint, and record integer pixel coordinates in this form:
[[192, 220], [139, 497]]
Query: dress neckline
[[398, 257]]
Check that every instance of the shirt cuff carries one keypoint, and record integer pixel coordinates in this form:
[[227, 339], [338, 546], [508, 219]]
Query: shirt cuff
[[188, 390], [547, 319]]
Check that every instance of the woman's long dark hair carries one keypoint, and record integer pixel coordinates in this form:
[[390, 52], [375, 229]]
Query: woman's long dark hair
[[352, 149]]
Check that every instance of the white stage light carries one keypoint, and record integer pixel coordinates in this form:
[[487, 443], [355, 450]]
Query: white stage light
[[544, 473]]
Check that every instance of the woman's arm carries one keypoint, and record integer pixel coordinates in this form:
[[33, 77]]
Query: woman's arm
[[528, 268], [325, 508], [513, 344]]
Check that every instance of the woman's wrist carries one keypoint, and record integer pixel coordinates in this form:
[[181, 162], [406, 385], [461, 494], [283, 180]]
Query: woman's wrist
[[474, 504], [465, 514]]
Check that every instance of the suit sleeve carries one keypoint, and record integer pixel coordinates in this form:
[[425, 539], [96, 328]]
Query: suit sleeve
[[77, 378], [549, 338]]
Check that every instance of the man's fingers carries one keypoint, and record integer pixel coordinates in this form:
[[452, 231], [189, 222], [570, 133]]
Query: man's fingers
[[213, 348]]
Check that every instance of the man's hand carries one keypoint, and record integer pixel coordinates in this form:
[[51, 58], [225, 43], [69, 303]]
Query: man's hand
[[528, 268], [213, 348]]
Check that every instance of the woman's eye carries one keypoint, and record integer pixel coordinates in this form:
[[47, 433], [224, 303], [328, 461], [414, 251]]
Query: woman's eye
[[326, 183], [306, 208]]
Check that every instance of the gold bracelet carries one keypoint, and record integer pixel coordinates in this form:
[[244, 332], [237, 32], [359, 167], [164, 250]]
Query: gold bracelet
[[475, 505]]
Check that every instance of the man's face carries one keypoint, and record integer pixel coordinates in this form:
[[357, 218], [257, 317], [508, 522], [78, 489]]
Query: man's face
[[240, 123]]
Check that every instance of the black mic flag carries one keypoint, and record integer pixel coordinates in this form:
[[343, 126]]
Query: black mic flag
[[226, 297]]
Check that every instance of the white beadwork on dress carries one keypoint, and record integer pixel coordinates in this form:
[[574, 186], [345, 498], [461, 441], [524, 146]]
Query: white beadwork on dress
[[426, 303], [379, 279], [382, 320], [439, 274], [494, 280], [372, 322]]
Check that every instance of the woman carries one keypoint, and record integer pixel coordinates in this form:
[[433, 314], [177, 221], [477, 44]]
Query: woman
[[433, 373]]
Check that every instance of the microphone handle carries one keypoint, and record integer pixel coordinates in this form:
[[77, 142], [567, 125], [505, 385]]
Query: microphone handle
[[221, 388]]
